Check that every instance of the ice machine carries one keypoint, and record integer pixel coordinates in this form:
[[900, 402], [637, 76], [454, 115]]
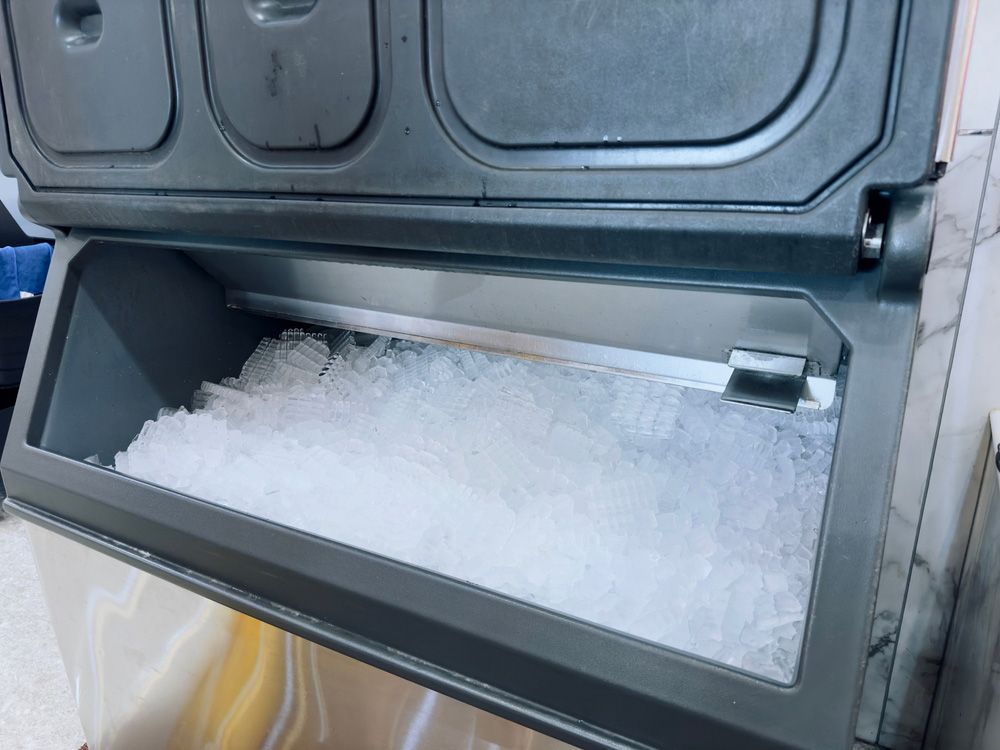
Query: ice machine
[[438, 374]]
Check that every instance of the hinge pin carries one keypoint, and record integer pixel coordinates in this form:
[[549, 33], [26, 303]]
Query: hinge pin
[[871, 242]]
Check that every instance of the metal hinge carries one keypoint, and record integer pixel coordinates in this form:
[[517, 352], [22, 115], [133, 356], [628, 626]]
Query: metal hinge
[[770, 381], [872, 238]]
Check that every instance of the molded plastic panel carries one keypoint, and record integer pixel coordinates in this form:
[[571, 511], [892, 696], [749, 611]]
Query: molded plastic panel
[[753, 133], [291, 74], [649, 84], [94, 74], [524, 73]]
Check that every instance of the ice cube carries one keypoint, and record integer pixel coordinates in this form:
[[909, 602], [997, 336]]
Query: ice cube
[[634, 504]]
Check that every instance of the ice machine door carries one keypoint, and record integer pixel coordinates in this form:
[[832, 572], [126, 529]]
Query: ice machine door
[[610, 188], [742, 136]]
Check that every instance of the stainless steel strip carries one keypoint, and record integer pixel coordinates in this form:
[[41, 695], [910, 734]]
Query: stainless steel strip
[[744, 359], [700, 324], [681, 336], [689, 372]]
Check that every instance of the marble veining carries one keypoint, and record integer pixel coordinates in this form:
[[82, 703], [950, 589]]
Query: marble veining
[[960, 203], [959, 194], [967, 702], [952, 489], [989, 222]]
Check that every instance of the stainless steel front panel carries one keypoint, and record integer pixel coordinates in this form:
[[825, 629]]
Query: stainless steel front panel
[[155, 666]]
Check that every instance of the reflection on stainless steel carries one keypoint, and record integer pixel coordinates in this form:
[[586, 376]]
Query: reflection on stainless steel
[[958, 64], [155, 666], [681, 336], [693, 323]]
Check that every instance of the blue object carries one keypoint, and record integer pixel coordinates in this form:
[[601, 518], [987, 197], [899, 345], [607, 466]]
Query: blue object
[[23, 269]]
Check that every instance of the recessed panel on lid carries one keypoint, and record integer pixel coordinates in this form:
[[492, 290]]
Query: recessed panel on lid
[[94, 74], [521, 72], [291, 74], [640, 83]]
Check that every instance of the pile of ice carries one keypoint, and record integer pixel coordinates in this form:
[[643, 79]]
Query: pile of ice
[[651, 509]]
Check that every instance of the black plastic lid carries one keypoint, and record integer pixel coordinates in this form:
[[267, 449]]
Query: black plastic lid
[[714, 135]]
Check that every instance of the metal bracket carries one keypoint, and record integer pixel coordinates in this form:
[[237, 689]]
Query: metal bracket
[[766, 380], [872, 238]]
